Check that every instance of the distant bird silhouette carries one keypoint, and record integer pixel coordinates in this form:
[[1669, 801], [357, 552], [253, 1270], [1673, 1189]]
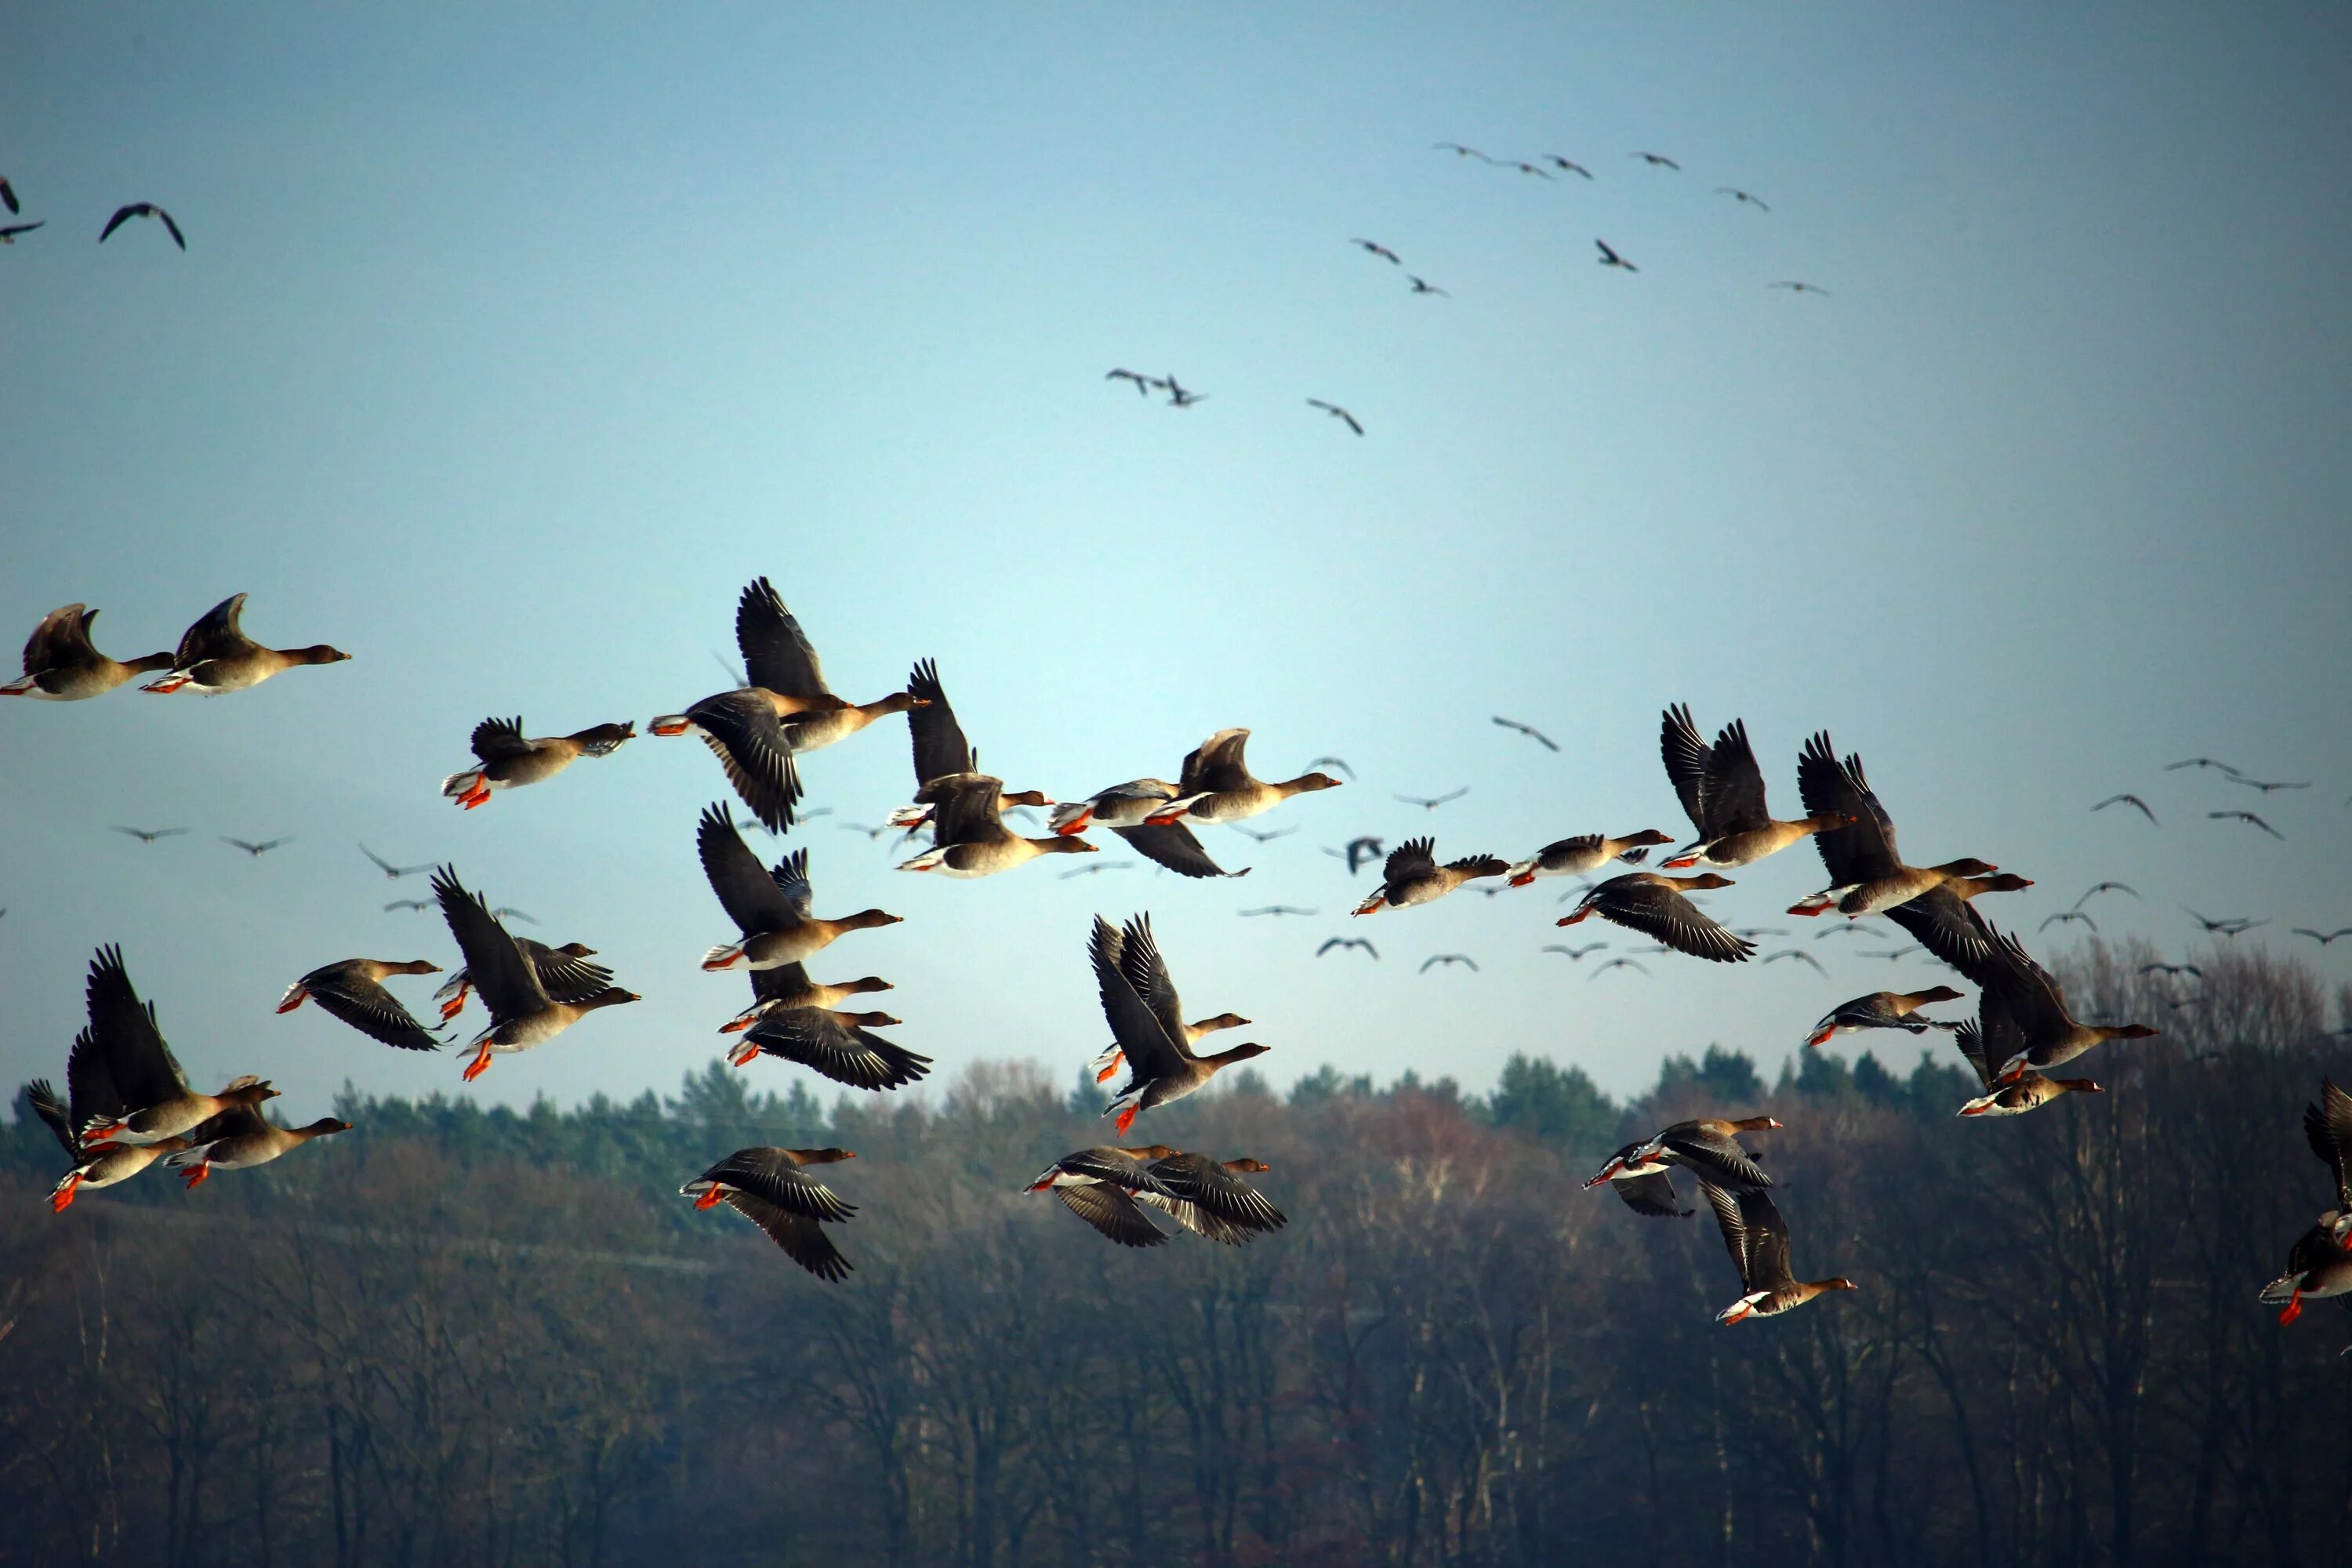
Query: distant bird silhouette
[[1422, 286], [2267, 786], [2128, 800], [1277, 910], [258, 850], [1609, 257], [1527, 168], [141, 209], [1374, 248], [2247, 816], [1438, 958], [1344, 942], [1846, 931], [1180, 396], [518, 914], [1338, 762], [391, 871], [2106, 887], [1336, 412], [1618, 963], [1893, 953], [8, 196], [409, 904], [1568, 166], [1751, 932], [2202, 762], [1574, 954], [2172, 969], [1144, 384], [1657, 161], [1358, 852], [1095, 868], [1794, 287], [1800, 954], [733, 672], [2230, 926], [1454, 147], [1431, 803], [1263, 838], [8, 234], [2068, 917], [1530, 730], [2323, 937], [1743, 196], [861, 828], [2178, 1003], [149, 835]]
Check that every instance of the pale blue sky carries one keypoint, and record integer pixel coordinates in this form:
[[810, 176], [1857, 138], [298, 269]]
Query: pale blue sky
[[507, 349]]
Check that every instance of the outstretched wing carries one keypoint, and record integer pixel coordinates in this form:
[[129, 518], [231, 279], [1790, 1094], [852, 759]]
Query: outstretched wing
[[940, 748], [777, 655]]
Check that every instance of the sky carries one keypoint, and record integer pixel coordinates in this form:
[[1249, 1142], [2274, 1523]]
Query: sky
[[510, 342]]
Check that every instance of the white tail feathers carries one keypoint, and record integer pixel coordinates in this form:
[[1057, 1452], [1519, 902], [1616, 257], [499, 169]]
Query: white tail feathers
[[188, 1157], [909, 817], [466, 783], [2282, 1288], [1069, 811], [18, 687], [929, 860], [723, 957]]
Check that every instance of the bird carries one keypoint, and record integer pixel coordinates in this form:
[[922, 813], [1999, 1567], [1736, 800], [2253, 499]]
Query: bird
[[2171, 969], [798, 1026], [2013, 1097], [409, 904], [1801, 955], [1709, 1146], [1144, 384], [1256, 836], [744, 728], [258, 850], [1883, 1010], [1743, 196], [1657, 161], [2250, 818], [1618, 963], [1097, 869], [522, 1015], [2320, 1261], [1609, 256], [2106, 887], [1585, 853], [1891, 954], [1754, 931], [150, 1101], [1209, 1198], [1360, 850], [2322, 938], [1216, 786], [352, 990], [1277, 910], [149, 835], [1454, 147], [1338, 413], [2022, 1012], [2267, 787], [241, 1138], [783, 666], [1412, 876], [1757, 1239], [1329, 944], [1337, 762], [2068, 917], [1574, 954], [1180, 396], [1374, 248], [869, 832], [2129, 800], [1721, 788], [1147, 972], [770, 908], [1530, 731], [123, 215], [1431, 803], [770, 1188], [62, 665], [1867, 875], [1794, 287], [1655, 905], [1126, 809], [563, 972], [969, 838], [8, 233], [216, 657], [1100, 1185], [1139, 999], [1568, 166], [392, 873], [1422, 286], [2230, 926], [8, 196], [1442, 958], [941, 750], [509, 761], [2202, 762]]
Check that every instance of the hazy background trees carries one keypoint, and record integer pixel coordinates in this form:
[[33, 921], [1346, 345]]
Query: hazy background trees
[[460, 1336]]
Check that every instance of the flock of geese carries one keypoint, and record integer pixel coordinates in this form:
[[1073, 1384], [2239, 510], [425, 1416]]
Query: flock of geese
[[129, 1105]]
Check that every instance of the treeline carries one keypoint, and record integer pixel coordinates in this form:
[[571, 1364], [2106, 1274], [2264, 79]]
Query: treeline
[[468, 1337]]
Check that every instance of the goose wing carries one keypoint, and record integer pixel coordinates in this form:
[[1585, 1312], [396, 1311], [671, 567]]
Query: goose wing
[[940, 748], [1733, 788], [1151, 1051], [804, 1240], [1686, 758], [2329, 1127], [1147, 972], [1111, 1212], [497, 739], [373, 1011], [741, 730], [138, 1061], [777, 655], [1174, 847], [749, 894], [217, 632], [1654, 1195], [1216, 765], [846, 1053], [1673, 919], [1864, 848], [509, 984]]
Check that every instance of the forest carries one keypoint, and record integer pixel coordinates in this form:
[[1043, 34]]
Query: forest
[[460, 1336]]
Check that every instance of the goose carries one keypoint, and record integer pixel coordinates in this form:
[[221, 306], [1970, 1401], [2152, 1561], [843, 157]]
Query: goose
[[782, 665], [789, 985], [1655, 905], [125, 213], [1585, 854], [940, 750], [561, 974], [1757, 1239], [1884, 1010], [2028, 1091], [1341, 414], [1374, 248], [1707, 1146], [154, 1101], [241, 1138], [62, 665], [770, 1188], [1216, 785], [522, 1015], [1722, 790], [969, 838], [1530, 730], [94, 1100], [1341, 943], [2022, 1011], [1742, 197], [509, 762], [1209, 1198], [1100, 1185], [2130, 800], [1126, 809], [2320, 1262], [839, 1046], [1868, 877], [150, 834], [216, 657], [392, 873], [770, 908], [353, 990], [1568, 166], [1140, 1003], [1609, 257], [1412, 876], [1147, 973]]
